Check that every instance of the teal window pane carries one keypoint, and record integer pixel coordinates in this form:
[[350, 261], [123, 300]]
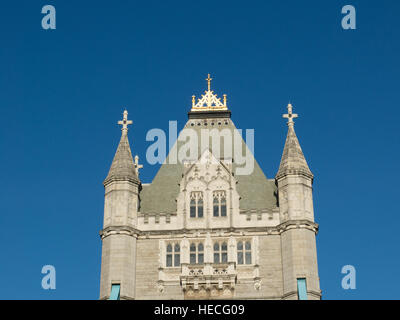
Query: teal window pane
[[216, 257], [192, 258], [115, 292], [302, 289]]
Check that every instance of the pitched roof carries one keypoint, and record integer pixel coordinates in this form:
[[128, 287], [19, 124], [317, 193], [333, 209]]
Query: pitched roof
[[255, 190], [122, 167], [293, 161]]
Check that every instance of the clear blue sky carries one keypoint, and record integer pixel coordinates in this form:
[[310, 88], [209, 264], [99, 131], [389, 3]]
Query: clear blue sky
[[62, 92]]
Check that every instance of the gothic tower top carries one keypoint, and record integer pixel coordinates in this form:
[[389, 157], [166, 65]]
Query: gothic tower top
[[123, 168], [293, 160]]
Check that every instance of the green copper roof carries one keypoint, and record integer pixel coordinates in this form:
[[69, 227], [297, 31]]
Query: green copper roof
[[255, 190]]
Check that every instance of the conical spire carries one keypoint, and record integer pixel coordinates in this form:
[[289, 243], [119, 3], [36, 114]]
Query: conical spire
[[292, 161], [123, 167]]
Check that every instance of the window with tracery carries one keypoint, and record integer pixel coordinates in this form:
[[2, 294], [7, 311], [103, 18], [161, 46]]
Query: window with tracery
[[196, 205], [219, 204]]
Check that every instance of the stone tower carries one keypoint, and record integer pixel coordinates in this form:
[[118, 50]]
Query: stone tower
[[299, 254], [210, 225], [119, 236]]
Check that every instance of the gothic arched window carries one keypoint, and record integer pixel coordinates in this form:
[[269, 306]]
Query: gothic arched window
[[223, 207], [220, 252], [193, 208], [196, 253], [196, 205], [173, 255], [244, 252], [216, 207], [200, 208], [219, 204]]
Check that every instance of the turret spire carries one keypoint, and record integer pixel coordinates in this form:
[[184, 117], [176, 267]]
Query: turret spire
[[123, 167], [292, 161]]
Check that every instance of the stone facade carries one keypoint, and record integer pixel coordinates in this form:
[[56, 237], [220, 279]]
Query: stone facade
[[200, 231]]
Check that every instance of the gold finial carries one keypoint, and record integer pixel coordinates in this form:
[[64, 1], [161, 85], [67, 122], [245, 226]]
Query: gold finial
[[290, 115], [225, 100], [209, 82], [193, 100]]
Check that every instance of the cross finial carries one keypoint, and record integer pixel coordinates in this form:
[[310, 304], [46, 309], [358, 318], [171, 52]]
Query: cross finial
[[125, 122], [137, 165], [209, 82], [290, 115]]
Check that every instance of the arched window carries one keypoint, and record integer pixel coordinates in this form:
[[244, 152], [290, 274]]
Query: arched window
[[193, 253], [200, 208], [219, 204], [220, 252], [223, 207], [216, 252], [196, 205], [200, 253], [173, 256], [192, 208], [216, 207], [196, 253], [244, 252]]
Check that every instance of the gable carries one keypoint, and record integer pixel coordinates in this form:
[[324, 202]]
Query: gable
[[255, 190]]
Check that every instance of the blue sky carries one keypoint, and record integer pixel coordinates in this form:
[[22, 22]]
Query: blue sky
[[62, 92]]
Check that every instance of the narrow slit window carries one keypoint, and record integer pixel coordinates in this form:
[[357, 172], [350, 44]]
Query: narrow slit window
[[302, 289], [115, 291]]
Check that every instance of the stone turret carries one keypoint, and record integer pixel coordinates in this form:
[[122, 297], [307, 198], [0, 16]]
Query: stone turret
[[299, 255], [119, 234]]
